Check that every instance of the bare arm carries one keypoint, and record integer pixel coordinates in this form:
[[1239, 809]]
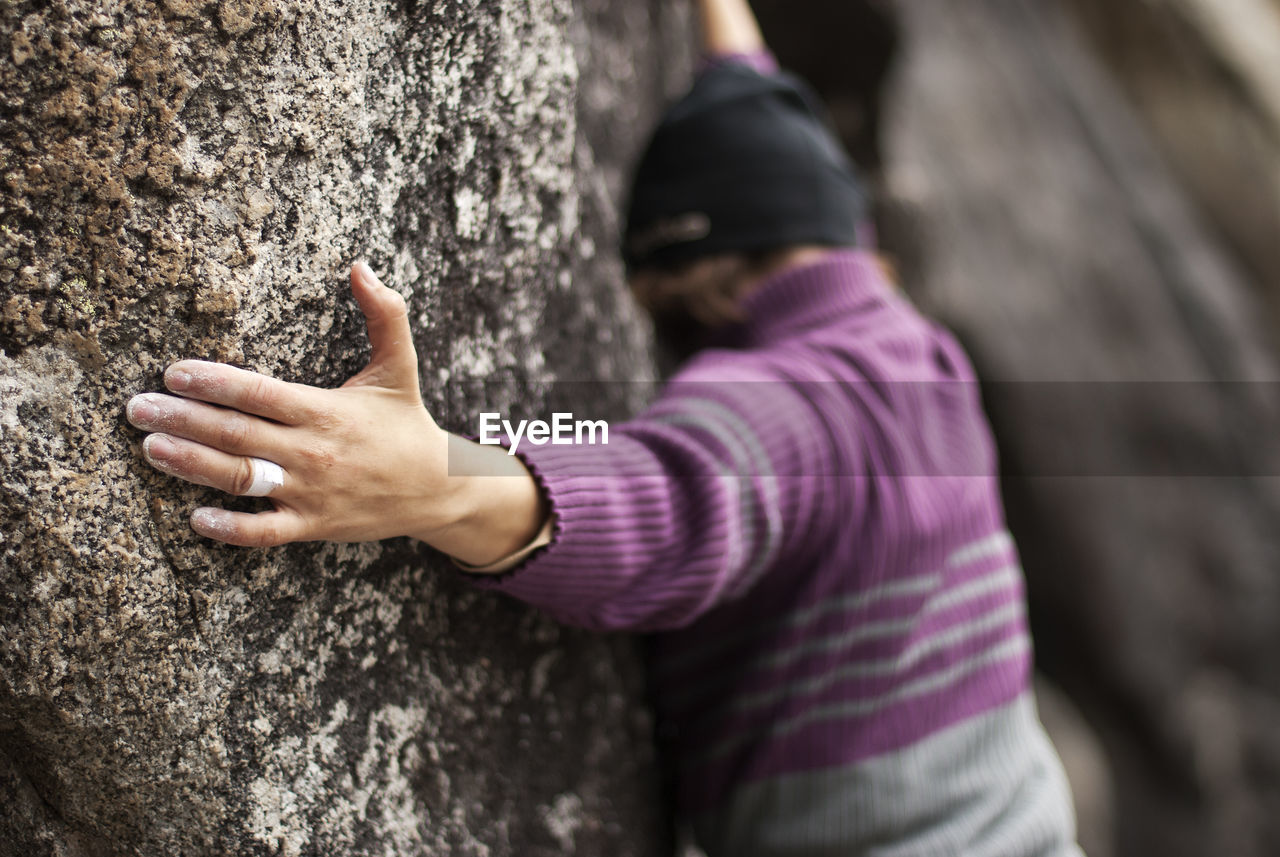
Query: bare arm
[[729, 27], [361, 462]]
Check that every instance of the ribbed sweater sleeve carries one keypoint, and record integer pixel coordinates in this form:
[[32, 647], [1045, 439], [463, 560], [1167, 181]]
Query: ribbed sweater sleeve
[[687, 505], [762, 61]]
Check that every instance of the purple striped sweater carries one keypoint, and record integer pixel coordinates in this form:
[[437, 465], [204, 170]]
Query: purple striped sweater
[[809, 518]]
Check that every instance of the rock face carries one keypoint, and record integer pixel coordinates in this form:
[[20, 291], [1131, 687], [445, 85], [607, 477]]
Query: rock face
[[1130, 377], [191, 179]]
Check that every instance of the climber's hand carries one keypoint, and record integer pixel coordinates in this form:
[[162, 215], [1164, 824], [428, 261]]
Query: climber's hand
[[361, 462]]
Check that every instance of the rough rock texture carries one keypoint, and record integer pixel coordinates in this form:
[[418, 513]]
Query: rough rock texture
[[1131, 381], [191, 179]]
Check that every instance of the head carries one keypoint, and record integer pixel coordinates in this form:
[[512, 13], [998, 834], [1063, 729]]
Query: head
[[741, 179]]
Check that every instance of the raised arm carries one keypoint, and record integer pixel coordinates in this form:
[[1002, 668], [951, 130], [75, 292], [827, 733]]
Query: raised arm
[[729, 27]]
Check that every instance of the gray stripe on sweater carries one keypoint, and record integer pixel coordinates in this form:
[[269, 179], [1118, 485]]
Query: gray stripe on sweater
[[983, 548], [898, 665], [928, 683], [991, 786], [865, 631], [994, 581], [750, 461]]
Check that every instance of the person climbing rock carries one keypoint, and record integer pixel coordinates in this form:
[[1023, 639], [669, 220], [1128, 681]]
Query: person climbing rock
[[806, 521]]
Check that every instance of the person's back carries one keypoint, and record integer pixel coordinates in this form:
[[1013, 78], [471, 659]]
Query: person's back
[[868, 693], [809, 519], [844, 663]]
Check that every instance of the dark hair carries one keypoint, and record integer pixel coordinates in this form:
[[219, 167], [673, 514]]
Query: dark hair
[[706, 293]]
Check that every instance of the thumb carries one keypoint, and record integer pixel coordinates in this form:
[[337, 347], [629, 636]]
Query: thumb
[[394, 362]]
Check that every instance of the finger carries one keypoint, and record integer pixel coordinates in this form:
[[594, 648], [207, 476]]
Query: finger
[[221, 428], [241, 389], [394, 362], [260, 530], [204, 465]]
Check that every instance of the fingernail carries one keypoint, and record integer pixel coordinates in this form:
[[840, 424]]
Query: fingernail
[[366, 274], [208, 521], [177, 379], [141, 409], [158, 447]]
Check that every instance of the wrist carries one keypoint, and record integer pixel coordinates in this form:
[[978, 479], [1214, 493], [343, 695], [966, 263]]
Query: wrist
[[489, 508]]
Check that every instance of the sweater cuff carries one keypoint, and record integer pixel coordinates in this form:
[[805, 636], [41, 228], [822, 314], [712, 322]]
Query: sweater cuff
[[594, 494], [762, 61]]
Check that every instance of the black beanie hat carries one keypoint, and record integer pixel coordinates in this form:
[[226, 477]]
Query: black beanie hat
[[742, 163]]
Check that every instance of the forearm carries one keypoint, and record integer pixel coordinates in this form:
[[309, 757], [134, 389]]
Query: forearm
[[642, 542], [729, 27], [685, 507]]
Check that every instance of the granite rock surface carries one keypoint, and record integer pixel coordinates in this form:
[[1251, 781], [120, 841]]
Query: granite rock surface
[[192, 179]]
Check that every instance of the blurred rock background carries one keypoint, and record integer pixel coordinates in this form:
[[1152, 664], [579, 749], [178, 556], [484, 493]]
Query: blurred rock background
[[1087, 193]]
